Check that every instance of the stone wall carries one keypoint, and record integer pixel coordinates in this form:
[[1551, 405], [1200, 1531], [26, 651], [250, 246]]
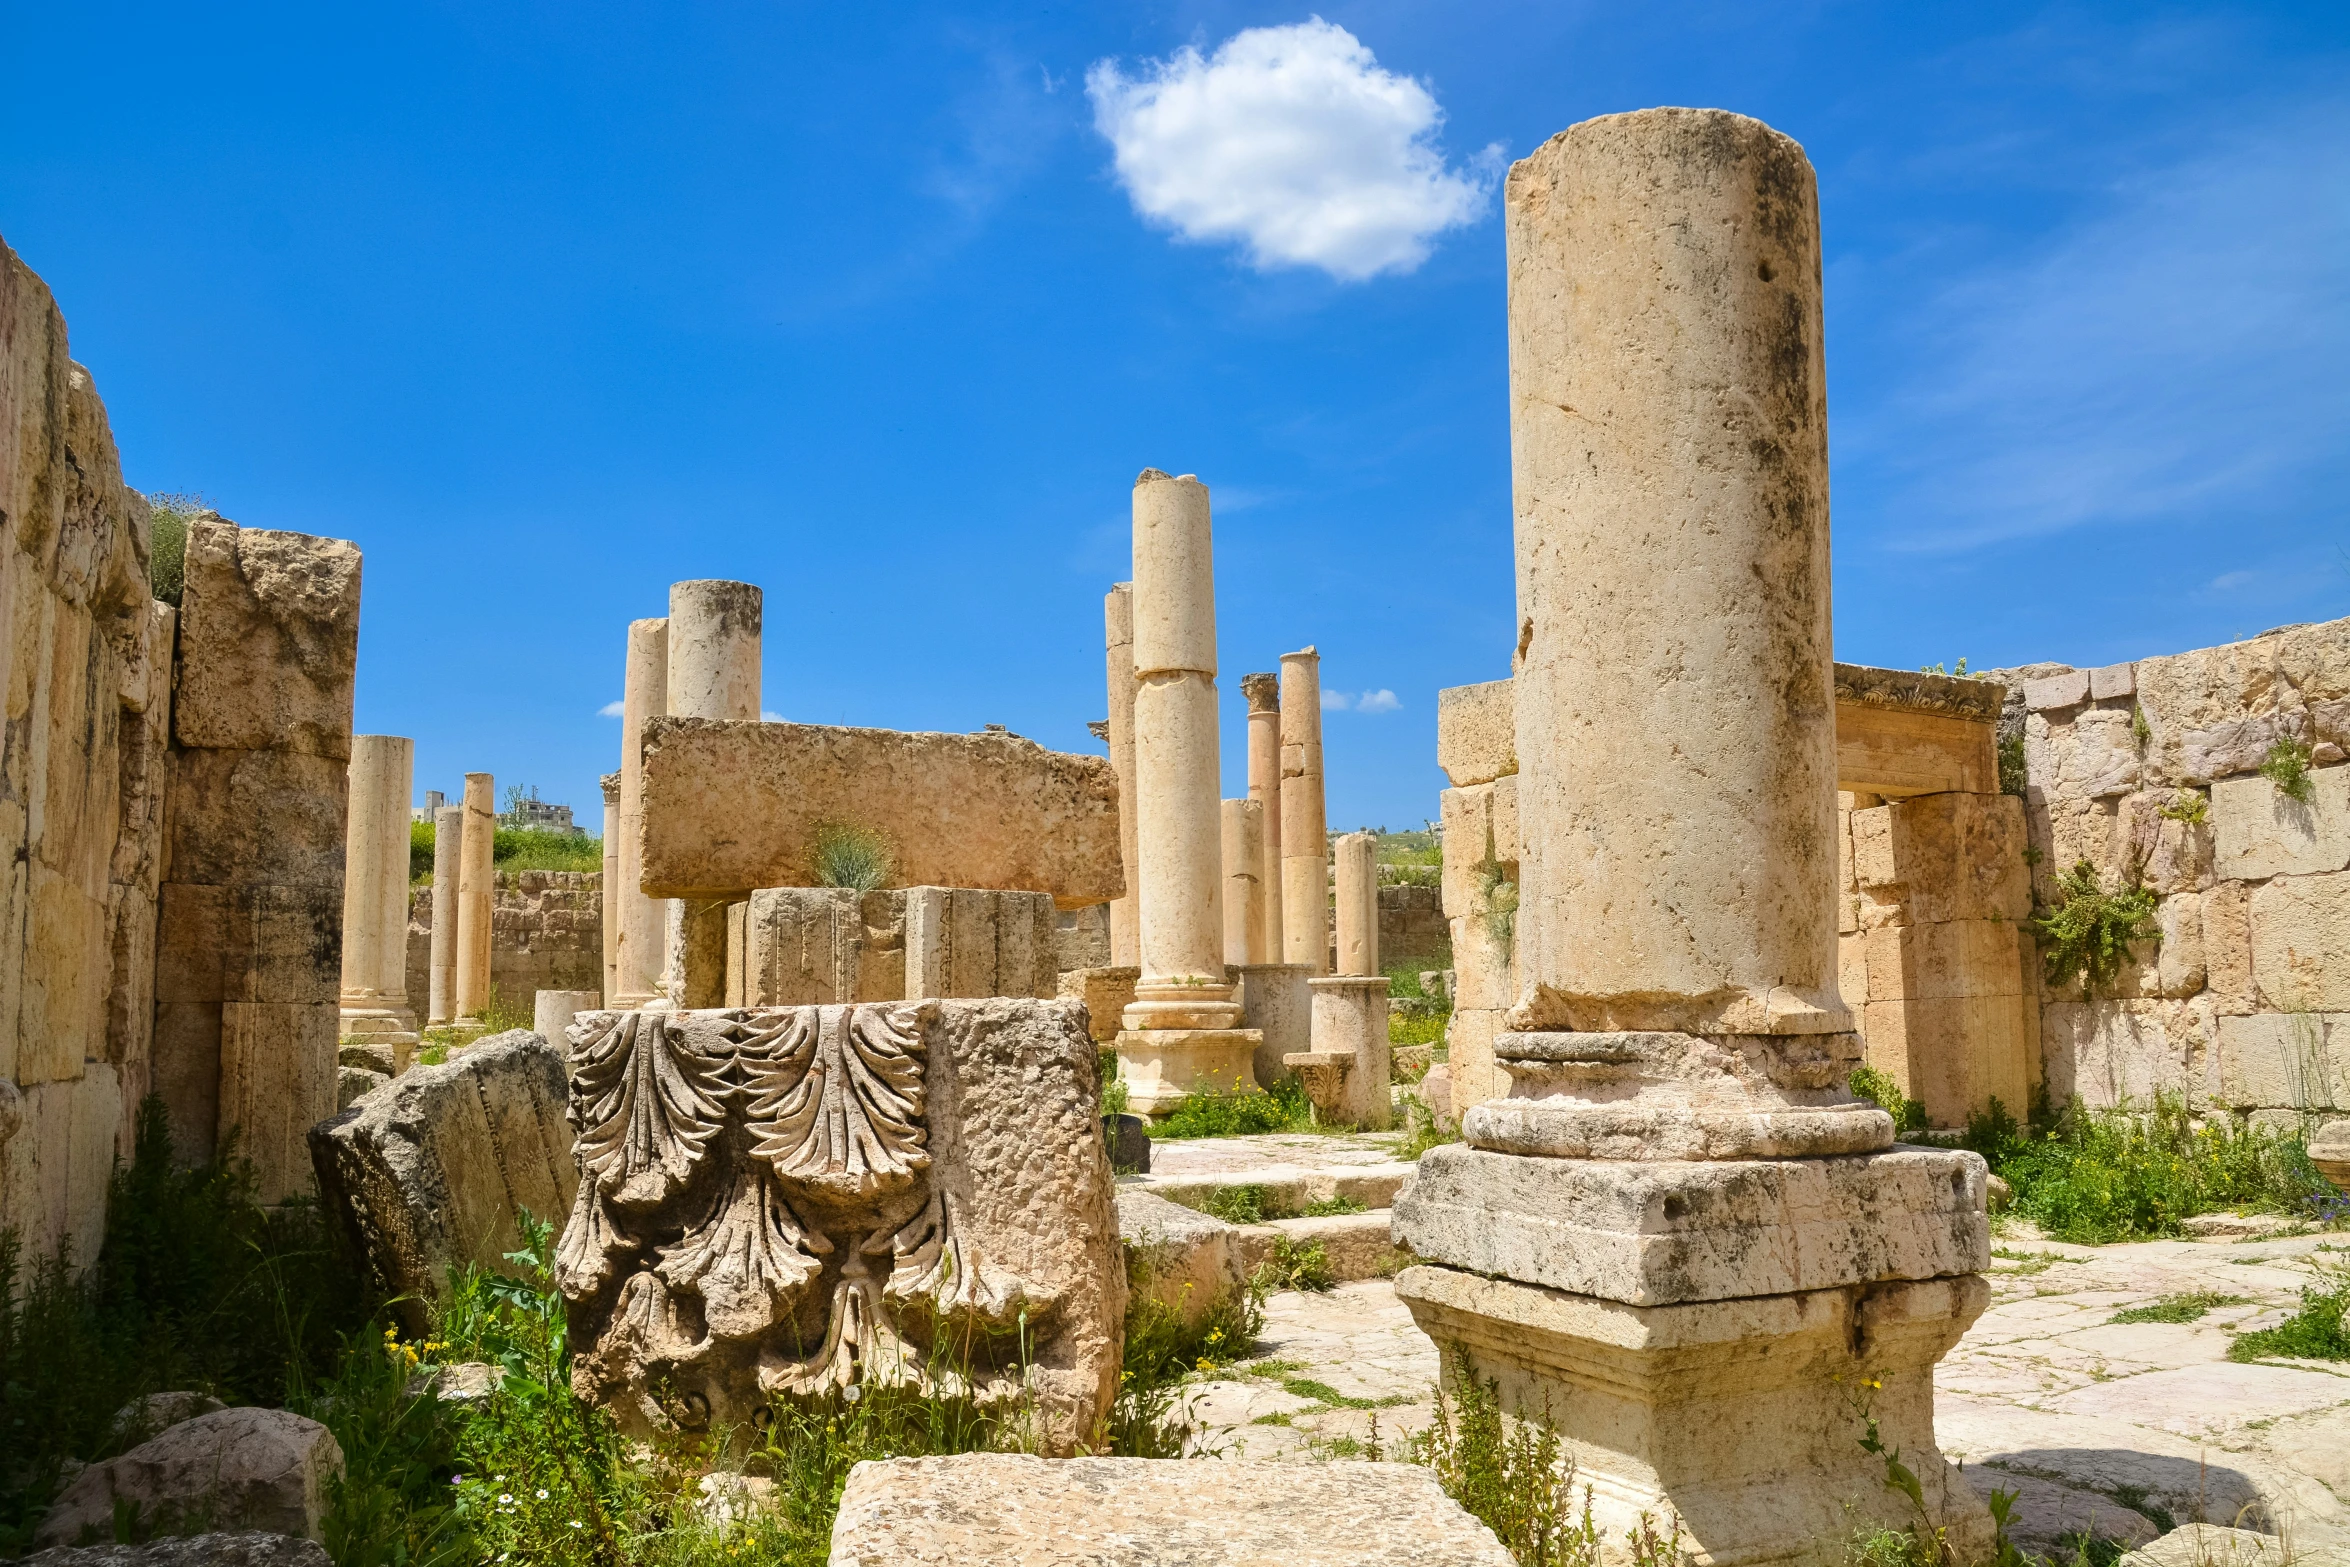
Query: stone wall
[[2149, 772], [546, 933], [1412, 927]]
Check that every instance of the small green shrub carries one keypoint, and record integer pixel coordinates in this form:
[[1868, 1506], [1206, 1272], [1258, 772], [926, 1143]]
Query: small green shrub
[[2087, 935], [534, 849], [2287, 766], [2140, 730], [1421, 1130], [1909, 1116], [1513, 1474], [847, 855], [2013, 776], [1162, 1348], [2178, 1308], [501, 1012], [1239, 1204], [2191, 806], [1497, 901], [168, 516], [1299, 1265], [1241, 1113], [1329, 1207], [2316, 1332], [420, 851]]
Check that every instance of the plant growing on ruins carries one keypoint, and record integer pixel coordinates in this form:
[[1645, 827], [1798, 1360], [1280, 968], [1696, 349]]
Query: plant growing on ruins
[[2140, 730], [847, 855], [167, 551], [1909, 1116], [1497, 899], [1299, 1265], [1513, 1475], [2191, 806], [2088, 934], [2189, 1307], [2320, 1330], [2013, 776], [1241, 1113], [2287, 766]]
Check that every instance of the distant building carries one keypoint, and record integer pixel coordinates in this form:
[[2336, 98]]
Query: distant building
[[524, 810]]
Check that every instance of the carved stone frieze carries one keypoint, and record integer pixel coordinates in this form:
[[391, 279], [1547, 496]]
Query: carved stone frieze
[[783, 1201]]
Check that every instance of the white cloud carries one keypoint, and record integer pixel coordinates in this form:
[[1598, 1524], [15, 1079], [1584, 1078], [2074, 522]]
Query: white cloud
[[1381, 701], [2227, 580], [767, 717], [612, 709], [1335, 701], [1293, 142]]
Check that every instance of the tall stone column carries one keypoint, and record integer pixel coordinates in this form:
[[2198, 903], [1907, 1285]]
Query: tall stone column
[[1305, 845], [477, 890], [611, 899], [375, 892], [448, 858], [1358, 902], [1244, 887], [644, 694], [1118, 638], [1678, 1232], [1179, 1035], [1264, 786], [714, 636]]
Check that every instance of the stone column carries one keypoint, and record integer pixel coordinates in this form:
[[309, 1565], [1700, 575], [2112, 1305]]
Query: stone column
[[714, 631], [1264, 786], [375, 892], [611, 900], [1179, 1034], [644, 694], [477, 890], [1347, 1071], [1244, 888], [448, 858], [1358, 903], [1305, 847], [1118, 636], [1678, 1047]]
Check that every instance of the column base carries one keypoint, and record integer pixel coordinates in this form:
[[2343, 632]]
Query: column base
[[1165, 1006], [1743, 1418], [378, 1025], [1162, 1067]]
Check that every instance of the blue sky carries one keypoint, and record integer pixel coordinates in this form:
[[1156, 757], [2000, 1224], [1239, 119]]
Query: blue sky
[[548, 306]]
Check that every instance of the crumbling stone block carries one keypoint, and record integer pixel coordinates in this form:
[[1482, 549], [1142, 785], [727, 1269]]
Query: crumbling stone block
[[269, 637], [264, 1469]]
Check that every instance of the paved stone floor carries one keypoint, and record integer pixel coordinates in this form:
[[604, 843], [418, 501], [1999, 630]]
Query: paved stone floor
[[2120, 1429]]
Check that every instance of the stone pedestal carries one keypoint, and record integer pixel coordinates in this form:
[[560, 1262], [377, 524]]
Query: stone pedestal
[[642, 920], [1179, 1035], [1358, 902], [1118, 641], [448, 857], [1305, 846], [1263, 692], [1350, 1023], [477, 890], [1244, 888], [552, 1011], [1277, 1002], [375, 892]]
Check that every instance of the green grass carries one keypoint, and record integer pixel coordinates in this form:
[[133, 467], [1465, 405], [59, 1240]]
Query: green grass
[[2179, 1308], [847, 855], [1299, 1265], [2097, 1176], [511, 849], [1241, 1113], [1239, 1204], [1330, 1207], [2316, 1332]]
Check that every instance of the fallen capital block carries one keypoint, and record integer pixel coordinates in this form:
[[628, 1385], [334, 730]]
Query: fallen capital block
[[730, 806]]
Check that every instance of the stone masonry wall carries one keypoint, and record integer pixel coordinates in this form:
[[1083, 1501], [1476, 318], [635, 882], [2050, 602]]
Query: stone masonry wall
[[546, 933], [85, 661], [2244, 1000]]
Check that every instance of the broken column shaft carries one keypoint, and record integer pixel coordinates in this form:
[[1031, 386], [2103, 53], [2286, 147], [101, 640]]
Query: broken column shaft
[[448, 853], [375, 891], [477, 887], [1264, 786], [644, 694], [713, 658], [1305, 847], [1118, 642]]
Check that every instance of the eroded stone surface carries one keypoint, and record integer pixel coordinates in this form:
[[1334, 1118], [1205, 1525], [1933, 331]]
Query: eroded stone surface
[[194, 1550], [790, 1200], [245, 1468]]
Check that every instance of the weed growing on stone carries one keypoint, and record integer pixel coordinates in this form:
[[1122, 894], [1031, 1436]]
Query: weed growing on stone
[[167, 554], [2317, 1331], [1241, 1113], [1513, 1474], [1909, 1116], [2086, 936], [2014, 777], [1239, 1204], [847, 855], [1497, 901], [1299, 1265], [2179, 1308], [1329, 1207], [2287, 766], [1421, 1130], [500, 1012], [2190, 806]]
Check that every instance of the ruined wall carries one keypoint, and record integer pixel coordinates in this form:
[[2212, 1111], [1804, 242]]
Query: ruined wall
[[546, 933], [2149, 771], [85, 672]]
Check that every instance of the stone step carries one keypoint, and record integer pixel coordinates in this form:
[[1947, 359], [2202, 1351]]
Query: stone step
[[1357, 1245], [1193, 1257], [1288, 1188]]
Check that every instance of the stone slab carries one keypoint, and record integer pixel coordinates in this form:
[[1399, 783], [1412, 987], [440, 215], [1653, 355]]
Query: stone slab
[[269, 640], [2053, 693], [257, 818], [2259, 831], [2300, 938], [730, 806], [1653, 1233], [1476, 733], [1012, 1510]]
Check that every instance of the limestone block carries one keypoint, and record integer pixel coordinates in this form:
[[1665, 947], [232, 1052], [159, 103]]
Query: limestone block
[[354, 1083], [1655, 1232], [966, 942], [2215, 711], [1897, 752], [2300, 937], [1181, 1258], [2226, 923], [732, 806], [1945, 857], [2170, 855], [269, 638], [1852, 969], [1162, 1067], [426, 1174], [1476, 733], [241, 818], [2285, 1060], [1105, 993], [1276, 1001], [2053, 693], [263, 1469], [248, 943], [184, 1071], [54, 1168], [1954, 958], [61, 1006], [2261, 831], [553, 1010], [1012, 1510], [250, 1548], [823, 944], [2107, 1053], [1734, 1417], [2113, 682], [1476, 1072], [952, 1193], [1480, 827], [2180, 968], [1954, 1054], [1350, 1020], [278, 1078]]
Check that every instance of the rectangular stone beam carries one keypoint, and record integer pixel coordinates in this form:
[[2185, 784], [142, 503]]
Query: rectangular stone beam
[[1897, 752], [731, 806]]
